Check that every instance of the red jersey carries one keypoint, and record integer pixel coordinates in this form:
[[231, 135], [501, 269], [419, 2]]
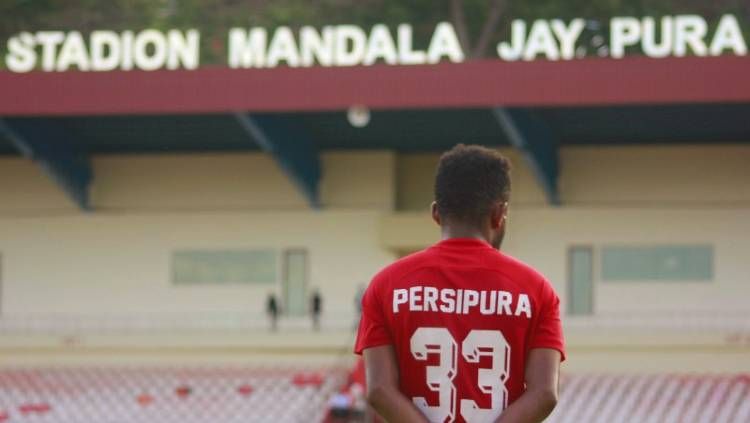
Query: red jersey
[[461, 317]]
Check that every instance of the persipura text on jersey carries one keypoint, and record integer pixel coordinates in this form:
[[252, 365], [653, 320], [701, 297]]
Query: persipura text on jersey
[[460, 301]]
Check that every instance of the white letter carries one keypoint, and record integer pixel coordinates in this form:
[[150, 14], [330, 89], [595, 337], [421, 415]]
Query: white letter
[[183, 49], [105, 50], [487, 305], [406, 55], [444, 43], [283, 47], [414, 298], [504, 298], [73, 52], [523, 306], [512, 52], [690, 30], [623, 32], [430, 298], [400, 296], [728, 35], [49, 41], [380, 46], [344, 55], [247, 50], [472, 299], [568, 36], [312, 47], [141, 56], [127, 50], [447, 299], [650, 47], [541, 41], [21, 56]]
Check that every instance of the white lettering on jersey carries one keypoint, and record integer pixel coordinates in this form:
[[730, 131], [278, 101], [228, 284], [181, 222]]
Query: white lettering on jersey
[[524, 306], [461, 301], [400, 296], [448, 300]]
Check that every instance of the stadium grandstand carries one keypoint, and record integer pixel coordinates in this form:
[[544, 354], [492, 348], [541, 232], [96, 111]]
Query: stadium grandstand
[[150, 211]]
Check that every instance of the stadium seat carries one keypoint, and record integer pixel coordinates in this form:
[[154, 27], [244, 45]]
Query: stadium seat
[[653, 398], [242, 394], [166, 394]]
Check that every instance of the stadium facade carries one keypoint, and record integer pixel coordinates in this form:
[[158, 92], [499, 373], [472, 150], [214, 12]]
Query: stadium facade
[[174, 195]]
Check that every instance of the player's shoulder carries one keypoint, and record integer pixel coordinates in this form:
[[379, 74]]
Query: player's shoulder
[[521, 270], [402, 266]]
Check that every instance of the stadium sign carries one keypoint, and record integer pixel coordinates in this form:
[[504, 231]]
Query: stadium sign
[[350, 45], [679, 35], [106, 50]]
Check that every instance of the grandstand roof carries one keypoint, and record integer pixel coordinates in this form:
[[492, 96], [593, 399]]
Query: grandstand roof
[[474, 84]]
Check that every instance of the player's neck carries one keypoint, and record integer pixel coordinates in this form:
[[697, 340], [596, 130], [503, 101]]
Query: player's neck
[[459, 231]]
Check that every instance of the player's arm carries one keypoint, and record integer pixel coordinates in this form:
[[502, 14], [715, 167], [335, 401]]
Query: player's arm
[[540, 397], [382, 387]]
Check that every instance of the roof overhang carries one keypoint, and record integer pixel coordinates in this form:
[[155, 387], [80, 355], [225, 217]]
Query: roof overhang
[[476, 84]]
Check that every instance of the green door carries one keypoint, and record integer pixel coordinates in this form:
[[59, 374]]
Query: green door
[[295, 282], [580, 283]]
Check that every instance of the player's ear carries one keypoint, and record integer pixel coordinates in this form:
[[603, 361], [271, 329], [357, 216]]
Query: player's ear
[[498, 214], [435, 213]]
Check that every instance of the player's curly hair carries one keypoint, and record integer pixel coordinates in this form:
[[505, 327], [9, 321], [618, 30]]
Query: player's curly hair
[[469, 180]]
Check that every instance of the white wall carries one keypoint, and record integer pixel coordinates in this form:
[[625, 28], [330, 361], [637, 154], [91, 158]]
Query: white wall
[[541, 237], [659, 176], [117, 259], [200, 182], [616, 195], [26, 190], [191, 182], [416, 175], [121, 263], [631, 177]]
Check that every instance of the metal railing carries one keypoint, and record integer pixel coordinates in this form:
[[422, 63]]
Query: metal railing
[[694, 320], [66, 323]]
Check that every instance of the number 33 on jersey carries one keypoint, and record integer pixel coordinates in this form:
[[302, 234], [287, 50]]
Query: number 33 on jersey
[[490, 381], [462, 318]]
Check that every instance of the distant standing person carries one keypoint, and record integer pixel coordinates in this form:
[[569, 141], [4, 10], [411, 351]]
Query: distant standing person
[[272, 310], [316, 308]]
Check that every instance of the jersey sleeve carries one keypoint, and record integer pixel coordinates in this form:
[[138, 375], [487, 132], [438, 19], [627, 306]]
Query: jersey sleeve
[[548, 332], [373, 330]]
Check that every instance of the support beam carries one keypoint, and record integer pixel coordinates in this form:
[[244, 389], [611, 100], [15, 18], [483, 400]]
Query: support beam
[[54, 153], [538, 144], [292, 149]]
